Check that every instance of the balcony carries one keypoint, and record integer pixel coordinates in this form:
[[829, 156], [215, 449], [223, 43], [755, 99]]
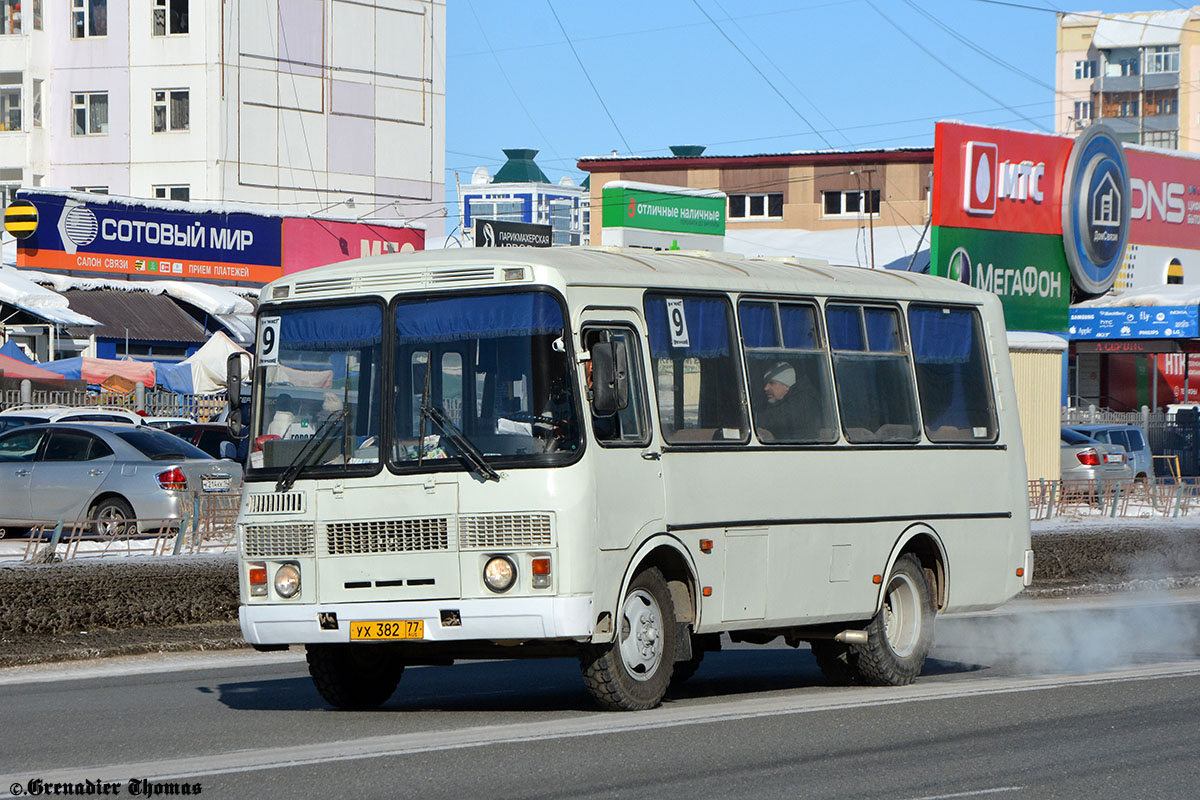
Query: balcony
[[1117, 83], [1161, 80], [1161, 122]]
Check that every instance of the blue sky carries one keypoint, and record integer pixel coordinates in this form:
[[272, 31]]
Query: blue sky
[[667, 74]]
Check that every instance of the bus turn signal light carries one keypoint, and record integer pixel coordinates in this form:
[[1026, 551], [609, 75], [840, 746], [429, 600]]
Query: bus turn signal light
[[706, 545], [258, 579], [877, 579], [539, 568]]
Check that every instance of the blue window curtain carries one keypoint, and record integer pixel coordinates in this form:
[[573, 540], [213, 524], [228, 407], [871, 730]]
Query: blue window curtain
[[707, 326], [845, 328], [799, 325], [480, 317], [326, 329], [758, 324], [883, 330]]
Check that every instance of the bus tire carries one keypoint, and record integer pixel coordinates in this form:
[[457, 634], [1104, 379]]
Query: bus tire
[[836, 662], [900, 635], [353, 677], [632, 672]]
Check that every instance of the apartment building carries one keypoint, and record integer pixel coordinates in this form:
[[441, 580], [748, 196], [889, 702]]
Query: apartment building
[[1137, 72], [334, 105]]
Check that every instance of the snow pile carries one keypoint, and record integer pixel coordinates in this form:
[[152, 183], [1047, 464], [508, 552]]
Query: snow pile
[[18, 290], [1176, 294]]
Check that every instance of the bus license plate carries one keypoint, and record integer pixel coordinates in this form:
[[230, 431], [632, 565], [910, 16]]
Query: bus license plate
[[388, 629], [215, 483]]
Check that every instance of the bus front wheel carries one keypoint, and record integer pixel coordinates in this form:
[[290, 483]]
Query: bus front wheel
[[632, 672], [353, 677], [900, 635]]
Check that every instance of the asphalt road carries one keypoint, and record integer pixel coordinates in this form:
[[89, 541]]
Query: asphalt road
[[1046, 699]]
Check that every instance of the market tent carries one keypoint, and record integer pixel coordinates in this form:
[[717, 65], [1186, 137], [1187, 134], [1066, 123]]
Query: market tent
[[98, 370], [12, 368], [203, 372], [70, 368], [13, 350]]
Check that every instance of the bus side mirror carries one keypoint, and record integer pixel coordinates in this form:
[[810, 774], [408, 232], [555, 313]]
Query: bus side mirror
[[610, 378], [233, 394]]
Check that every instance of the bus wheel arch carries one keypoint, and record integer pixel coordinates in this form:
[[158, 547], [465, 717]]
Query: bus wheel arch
[[675, 563], [924, 543]]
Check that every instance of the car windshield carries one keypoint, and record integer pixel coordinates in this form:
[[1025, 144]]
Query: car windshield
[[496, 367], [159, 445], [324, 365]]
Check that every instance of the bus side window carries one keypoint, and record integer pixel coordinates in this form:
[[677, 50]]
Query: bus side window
[[628, 426], [953, 379]]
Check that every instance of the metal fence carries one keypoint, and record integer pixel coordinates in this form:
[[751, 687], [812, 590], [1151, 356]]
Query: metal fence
[[207, 526], [1160, 498], [155, 402]]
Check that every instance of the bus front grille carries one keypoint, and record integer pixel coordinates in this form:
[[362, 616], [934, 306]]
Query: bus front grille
[[387, 536], [503, 531], [284, 539]]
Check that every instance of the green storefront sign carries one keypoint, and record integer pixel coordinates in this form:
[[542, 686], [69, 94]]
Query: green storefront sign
[[1027, 270], [656, 211]]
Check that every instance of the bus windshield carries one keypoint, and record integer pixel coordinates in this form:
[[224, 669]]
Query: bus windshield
[[326, 376], [496, 366]]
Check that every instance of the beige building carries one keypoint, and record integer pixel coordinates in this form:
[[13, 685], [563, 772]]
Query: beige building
[[1134, 71], [787, 191]]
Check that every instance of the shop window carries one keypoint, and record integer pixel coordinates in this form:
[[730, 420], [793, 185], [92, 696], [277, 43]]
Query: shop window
[[89, 18], [170, 17], [90, 113]]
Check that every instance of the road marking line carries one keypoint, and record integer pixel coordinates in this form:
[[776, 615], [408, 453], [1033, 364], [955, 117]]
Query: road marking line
[[976, 793], [597, 724]]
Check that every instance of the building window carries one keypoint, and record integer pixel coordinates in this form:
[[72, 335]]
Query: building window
[[1127, 108], [89, 18], [500, 208], [1085, 69], [1161, 103], [92, 189], [172, 193], [1162, 58], [10, 101], [36, 117], [10, 17], [1129, 66], [1083, 110], [761, 206], [1168, 140], [170, 110], [170, 17], [90, 112], [851, 203], [37, 15]]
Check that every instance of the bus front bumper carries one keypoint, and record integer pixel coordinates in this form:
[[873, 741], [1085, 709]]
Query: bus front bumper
[[498, 619]]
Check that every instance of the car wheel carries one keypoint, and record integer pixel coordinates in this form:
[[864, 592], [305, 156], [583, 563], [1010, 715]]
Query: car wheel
[[112, 517]]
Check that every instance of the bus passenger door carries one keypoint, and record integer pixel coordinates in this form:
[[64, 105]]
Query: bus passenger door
[[626, 469]]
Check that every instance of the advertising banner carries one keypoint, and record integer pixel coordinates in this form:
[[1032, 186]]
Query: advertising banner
[[1028, 271], [626, 207], [498, 233], [114, 237], [1165, 199], [316, 242], [1134, 322]]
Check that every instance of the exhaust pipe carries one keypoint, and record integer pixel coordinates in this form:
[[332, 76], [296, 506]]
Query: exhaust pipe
[[851, 637]]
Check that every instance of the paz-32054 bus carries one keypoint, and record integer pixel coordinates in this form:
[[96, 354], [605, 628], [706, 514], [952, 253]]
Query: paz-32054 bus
[[622, 455]]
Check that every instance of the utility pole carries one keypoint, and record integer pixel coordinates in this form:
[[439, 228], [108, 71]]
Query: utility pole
[[871, 212]]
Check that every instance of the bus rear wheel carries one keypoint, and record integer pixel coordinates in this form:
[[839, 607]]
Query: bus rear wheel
[[632, 672], [900, 635], [353, 677]]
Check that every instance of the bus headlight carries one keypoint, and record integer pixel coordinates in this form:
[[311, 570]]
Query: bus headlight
[[287, 581], [499, 574]]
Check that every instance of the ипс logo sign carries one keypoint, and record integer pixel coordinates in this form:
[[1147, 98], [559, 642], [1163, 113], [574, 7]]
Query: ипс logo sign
[[988, 179]]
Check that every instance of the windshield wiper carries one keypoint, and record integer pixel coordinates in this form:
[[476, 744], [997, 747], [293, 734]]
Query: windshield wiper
[[467, 450], [305, 456]]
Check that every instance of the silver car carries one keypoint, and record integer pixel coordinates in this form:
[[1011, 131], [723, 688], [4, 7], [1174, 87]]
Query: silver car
[[1082, 458], [104, 471]]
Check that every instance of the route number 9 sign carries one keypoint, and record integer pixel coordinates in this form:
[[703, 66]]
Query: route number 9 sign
[[268, 341], [677, 322]]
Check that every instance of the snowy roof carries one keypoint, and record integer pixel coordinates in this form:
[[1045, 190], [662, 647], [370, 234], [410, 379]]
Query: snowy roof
[[1164, 295], [1140, 29], [663, 189], [848, 247], [19, 291], [1036, 342]]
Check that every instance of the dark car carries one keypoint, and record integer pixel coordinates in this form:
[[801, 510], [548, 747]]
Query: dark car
[[209, 437]]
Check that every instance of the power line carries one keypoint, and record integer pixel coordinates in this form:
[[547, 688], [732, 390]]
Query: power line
[[950, 69], [589, 77], [1088, 15], [774, 88]]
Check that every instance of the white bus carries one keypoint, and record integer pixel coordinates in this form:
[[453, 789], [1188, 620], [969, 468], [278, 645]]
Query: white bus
[[621, 455]]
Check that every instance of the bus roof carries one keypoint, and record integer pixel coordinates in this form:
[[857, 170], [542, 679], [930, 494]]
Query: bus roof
[[613, 267]]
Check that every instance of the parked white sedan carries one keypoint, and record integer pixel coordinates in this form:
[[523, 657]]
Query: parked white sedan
[[104, 471]]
